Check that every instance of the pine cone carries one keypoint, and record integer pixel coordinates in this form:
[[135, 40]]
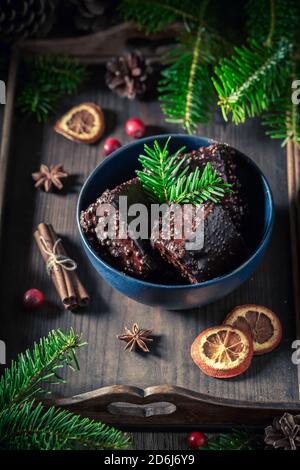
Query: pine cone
[[284, 433], [93, 15], [127, 74], [21, 19]]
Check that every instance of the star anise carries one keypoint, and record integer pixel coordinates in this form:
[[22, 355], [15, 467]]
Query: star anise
[[136, 338], [48, 177]]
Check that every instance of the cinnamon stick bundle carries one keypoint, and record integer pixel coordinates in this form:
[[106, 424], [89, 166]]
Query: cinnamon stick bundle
[[61, 268]]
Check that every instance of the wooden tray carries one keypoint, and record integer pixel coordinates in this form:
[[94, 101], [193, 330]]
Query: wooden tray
[[163, 388]]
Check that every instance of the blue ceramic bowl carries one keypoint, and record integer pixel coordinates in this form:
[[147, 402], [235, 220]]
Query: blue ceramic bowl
[[120, 166]]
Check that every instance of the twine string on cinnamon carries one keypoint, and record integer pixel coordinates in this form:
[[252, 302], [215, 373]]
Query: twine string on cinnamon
[[61, 268], [56, 259]]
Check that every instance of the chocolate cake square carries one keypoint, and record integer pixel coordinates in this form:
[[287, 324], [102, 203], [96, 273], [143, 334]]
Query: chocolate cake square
[[222, 250], [223, 159], [133, 256]]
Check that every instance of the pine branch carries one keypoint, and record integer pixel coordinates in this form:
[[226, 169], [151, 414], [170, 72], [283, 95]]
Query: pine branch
[[283, 121], [236, 440], [31, 426], [23, 379], [271, 20], [155, 15], [26, 424], [167, 178], [48, 79], [186, 91], [37, 100], [61, 74], [252, 79], [247, 84]]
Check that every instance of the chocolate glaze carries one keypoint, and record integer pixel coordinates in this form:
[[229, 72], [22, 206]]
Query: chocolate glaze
[[223, 248], [222, 159], [132, 256]]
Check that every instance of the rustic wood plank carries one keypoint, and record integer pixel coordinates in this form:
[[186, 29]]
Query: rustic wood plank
[[103, 362]]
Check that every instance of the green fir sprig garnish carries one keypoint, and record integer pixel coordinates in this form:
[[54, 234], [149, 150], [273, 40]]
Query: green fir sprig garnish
[[47, 80], [26, 423], [167, 178], [197, 188]]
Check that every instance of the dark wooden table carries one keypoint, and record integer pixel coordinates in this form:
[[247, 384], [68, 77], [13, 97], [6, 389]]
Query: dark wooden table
[[103, 320]]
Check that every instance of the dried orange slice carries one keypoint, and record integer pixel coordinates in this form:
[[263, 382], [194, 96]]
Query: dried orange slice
[[260, 322], [83, 123], [222, 351]]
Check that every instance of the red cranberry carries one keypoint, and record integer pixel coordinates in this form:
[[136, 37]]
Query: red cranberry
[[195, 440], [110, 145], [33, 299], [135, 128]]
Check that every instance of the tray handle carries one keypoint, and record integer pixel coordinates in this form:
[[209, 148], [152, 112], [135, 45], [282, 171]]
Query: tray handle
[[142, 411]]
